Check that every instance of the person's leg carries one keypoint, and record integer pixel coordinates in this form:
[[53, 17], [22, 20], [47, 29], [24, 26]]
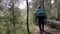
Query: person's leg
[[42, 24], [40, 28], [39, 25]]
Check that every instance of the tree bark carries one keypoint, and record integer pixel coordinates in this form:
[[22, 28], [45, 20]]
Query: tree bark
[[27, 16], [13, 17], [54, 22]]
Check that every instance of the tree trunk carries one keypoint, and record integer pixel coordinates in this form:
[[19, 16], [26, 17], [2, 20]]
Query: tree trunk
[[54, 22], [13, 18], [27, 16]]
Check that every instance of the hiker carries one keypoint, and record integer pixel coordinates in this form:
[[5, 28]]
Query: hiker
[[41, 18]]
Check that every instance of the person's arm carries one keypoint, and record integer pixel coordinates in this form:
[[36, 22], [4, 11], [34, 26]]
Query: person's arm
[[35, 15], [45, 17], [45, 14]]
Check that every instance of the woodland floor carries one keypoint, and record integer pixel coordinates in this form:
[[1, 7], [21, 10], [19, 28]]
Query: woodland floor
[[48, 30]]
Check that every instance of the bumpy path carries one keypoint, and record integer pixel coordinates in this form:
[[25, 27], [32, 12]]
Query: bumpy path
[[48, 30]]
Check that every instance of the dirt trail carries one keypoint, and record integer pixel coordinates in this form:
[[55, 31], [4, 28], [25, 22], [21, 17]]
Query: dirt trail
[[48, 30]]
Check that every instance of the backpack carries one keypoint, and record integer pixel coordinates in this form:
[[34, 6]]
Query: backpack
[[41, 13]]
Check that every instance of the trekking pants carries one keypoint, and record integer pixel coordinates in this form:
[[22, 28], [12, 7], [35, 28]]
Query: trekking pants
[[41, 23]]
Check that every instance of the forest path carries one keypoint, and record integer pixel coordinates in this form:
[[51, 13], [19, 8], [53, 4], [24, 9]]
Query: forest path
[[48, 30]]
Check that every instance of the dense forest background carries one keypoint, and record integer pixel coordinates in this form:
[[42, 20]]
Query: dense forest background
[[13, 14]]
